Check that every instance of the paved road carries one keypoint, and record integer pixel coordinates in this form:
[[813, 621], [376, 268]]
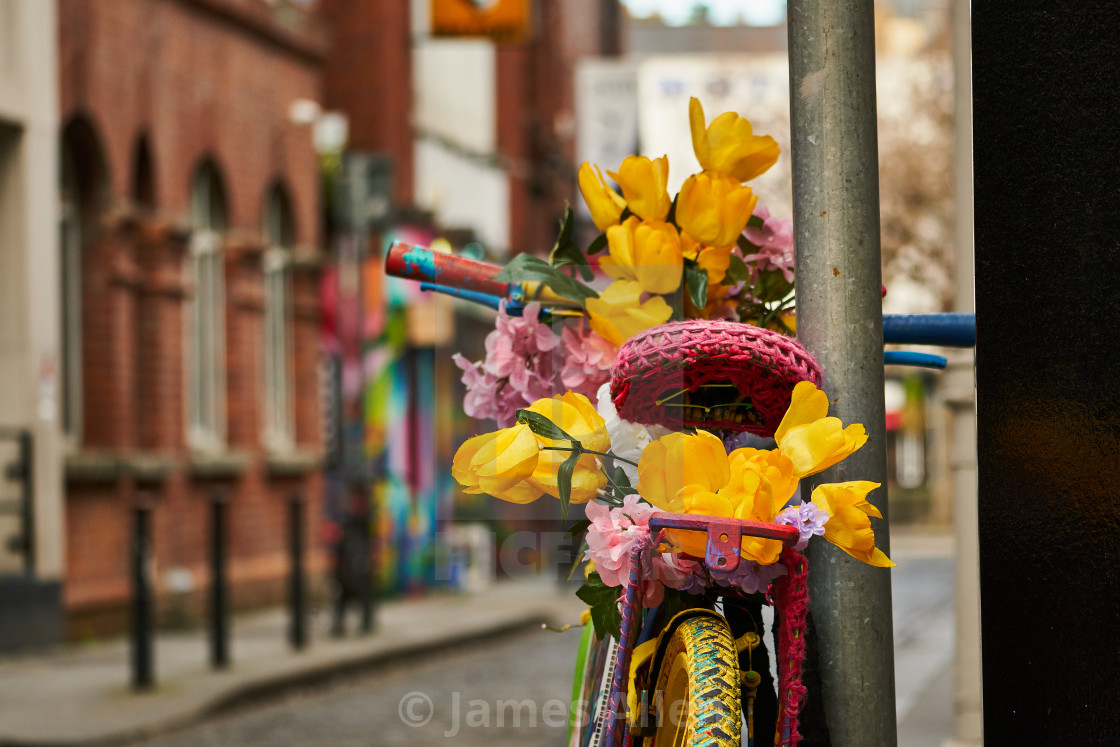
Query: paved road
[[512, 692], [515, 691]]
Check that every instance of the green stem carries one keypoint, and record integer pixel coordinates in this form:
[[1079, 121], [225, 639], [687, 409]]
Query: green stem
[[582, 450], [709, 408]]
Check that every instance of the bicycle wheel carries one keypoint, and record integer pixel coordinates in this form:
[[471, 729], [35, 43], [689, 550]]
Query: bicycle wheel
[[697, 688]]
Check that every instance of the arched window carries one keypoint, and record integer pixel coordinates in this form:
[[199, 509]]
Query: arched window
[[205, 362], [143, 181], [84, 181], [278, 233]]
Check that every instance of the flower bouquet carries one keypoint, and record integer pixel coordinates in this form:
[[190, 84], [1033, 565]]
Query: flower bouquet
[[695, 317], [648, 372]]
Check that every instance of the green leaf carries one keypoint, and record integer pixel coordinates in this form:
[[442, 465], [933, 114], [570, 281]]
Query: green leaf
[[566, 227], [598, 245], [697, 281], [542, 426], [745, 245], [578, 528], [566, 252], [564, 482], [603, 601], [621, 479], [756, 222], [676, 303], [737, 271], [575, 559], [671, 216], [772, 286], [525, 267]]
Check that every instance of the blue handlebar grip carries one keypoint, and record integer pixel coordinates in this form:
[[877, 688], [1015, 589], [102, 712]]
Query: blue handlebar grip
[[910, 358], [947, 330], [514, 305], [484, 299]]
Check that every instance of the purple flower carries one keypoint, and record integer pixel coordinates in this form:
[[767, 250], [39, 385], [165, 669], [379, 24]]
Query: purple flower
[[807, 517], [749, 576], [680, 573]]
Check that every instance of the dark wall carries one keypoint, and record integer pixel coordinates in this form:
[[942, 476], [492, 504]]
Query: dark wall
[[1046, 79]]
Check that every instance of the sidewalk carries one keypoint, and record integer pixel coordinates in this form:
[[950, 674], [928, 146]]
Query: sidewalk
[[82, 696]]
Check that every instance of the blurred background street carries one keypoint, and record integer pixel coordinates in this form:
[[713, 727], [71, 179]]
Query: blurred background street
[[226, 435], [518, 686]]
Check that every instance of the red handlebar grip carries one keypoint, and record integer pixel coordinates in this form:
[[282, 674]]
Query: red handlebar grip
[[423, 265]]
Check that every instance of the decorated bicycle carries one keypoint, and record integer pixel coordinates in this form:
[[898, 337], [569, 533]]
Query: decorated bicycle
[[654, 378]]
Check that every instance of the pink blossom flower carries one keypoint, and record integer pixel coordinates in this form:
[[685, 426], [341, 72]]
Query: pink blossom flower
[[612, 536], [775, 245], [588, 358], [481, 400], [518, 369]]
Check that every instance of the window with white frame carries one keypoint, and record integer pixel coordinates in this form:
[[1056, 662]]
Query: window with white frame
[[205, 318], [278, 426], [70, 281]]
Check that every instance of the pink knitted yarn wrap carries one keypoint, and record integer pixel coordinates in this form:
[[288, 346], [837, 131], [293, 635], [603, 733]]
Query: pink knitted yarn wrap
[[791, 597], [748, 374]]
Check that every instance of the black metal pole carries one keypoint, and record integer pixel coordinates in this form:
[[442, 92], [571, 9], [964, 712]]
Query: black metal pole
[[367, 574], [219, 586], [297, 598], [143, 676], [27, 501]]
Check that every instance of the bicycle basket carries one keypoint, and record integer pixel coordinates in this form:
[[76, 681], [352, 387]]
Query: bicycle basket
[[709, 374]]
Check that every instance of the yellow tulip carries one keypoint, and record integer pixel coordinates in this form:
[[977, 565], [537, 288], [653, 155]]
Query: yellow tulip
[[644, 185], [696, 500], [619, 313], [775, 467], [729, 146], [848, 526], [646, 251], [498, 463], [749, 491], [812, 441], [714, 209], [679, 460], [577, 417], [605, 204], [807, 404]]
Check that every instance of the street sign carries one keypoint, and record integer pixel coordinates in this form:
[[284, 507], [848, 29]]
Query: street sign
[[499, 20]]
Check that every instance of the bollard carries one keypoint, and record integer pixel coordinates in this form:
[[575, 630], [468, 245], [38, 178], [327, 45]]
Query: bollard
[[219, 583], [143, 677], [297, 599], [368, 573]]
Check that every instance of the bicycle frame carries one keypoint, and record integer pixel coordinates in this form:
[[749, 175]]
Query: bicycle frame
[[724, 538]]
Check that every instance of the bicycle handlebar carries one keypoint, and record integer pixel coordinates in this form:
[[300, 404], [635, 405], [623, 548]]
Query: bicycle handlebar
[[947, 330], [723, 535]]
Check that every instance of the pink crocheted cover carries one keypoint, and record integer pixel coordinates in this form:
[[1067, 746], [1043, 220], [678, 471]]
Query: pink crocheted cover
[[748, 374], [791, 596]]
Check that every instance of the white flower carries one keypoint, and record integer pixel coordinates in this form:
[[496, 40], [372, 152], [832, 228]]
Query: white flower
[[627, 439]]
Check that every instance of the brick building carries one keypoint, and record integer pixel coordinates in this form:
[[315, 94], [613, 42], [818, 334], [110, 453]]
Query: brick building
[[168, 347], [190, 262]]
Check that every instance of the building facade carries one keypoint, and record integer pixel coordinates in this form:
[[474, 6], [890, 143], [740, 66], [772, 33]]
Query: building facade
[[189, 266], [32, 558]]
